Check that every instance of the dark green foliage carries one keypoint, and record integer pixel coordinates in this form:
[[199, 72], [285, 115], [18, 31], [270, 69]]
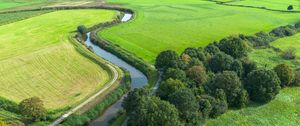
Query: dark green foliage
[[151, 111], [248, 66], [290, 53], [195, 53], [285, 74], [14, 123], [82, 29], [297, 78], [242, 99], [230, 83], [168, 87], [261, 39], [290, 7], [220, 62], [283, 31], [205, 107], [234, 46], [297, 25], [131, 101], [195, 62], [262, 85], [217, 108], [32, 109], [197, 74], [212, 49], [186, 103], [177, 74], [168, 59], [8, 105], [237, 67]]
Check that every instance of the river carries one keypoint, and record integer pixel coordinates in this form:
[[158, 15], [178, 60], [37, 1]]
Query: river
[[138, 79]]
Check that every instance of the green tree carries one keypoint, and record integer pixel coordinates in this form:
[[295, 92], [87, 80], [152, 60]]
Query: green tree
[[131, 101], [237, 67], [290, 7], [230, 83], [234, 46], [248, 66], [176, 74], [212, 49], [32, 109], [151, 111], [168, 87], [197, 74], [82, 29], [195, 53], [186, 103], [262, 85], [220, 62], [285, 74], [217, 108], [168, 59]]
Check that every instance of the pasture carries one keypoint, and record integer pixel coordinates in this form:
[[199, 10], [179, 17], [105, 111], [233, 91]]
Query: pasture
[[179, 24], [4, 4], [282, 111], [37, 59]]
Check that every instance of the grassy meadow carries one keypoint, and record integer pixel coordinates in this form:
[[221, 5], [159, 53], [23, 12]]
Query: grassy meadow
[[4, 4], [179, 24], [282, 111], [36, 59]]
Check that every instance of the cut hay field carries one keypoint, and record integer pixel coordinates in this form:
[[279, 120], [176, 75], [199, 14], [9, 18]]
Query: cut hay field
[[37, 59], [282, 111], [270, 4], [179, 24]]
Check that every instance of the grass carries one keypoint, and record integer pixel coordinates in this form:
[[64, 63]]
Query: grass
[[4, 4], [282, 111], [36, 59], [285, 43], [180, 24], [270, 4], [6, 18], [8, 115], [269, 58]]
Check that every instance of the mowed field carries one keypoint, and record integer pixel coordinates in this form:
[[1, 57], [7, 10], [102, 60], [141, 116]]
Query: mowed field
[[37, 59], [4, 4], [282, 111], [270, 4], [177, 24]]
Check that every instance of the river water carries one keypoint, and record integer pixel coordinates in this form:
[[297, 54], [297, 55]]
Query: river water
[[138, 79]]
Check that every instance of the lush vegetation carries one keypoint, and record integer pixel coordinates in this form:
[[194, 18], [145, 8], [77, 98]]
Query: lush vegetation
[[4, 4], [6, 18], [180, 24]]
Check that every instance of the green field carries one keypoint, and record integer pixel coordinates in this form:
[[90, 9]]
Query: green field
[[6, 18], [37, 59], [4, 4], [179, 24], [270, 4], [282, 111], [285, 43]]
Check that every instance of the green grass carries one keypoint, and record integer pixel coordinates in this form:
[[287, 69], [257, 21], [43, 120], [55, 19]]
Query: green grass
[[36, 59], [282, 111], [8, 115], [4, 4], [6, 18], [285, 43], [270, 4], [269, 58], [177, 24]]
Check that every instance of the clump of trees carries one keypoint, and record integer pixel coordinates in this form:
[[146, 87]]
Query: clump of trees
[[32, 109], [82, 29], [203, 82]]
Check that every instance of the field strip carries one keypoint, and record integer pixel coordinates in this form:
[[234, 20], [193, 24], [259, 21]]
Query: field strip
[[72, 111]]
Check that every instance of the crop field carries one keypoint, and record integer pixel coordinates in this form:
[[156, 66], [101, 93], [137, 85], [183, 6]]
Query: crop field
[[36, 59], [179, 24], [4, 4], [282, 111], [6, 18], [270, 4]]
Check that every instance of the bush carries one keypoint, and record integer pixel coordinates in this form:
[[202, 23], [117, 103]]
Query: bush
[[285, 74], [197, 74], [261, 39], [290, 7], [217, 108], [297, 76], [32, 109], [248, 66], [220, 62], [8, 105], [82, 29], [284, 31], [297, 25], [263, 85], [234, 46], [289, 54]]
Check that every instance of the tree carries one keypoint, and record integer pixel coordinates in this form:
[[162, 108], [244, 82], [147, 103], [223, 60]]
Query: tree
[[248, 66], [212, 49], [220, 62], [167, 59], [151, 111], [195, 62], [262, 85], [195, 53], [290, 53], [290, 7], [131, 101], [205, 107], [32, 109], [168, 87], [217, 108], [176, 74], [197, 74], [237, 67], [234, 46], [230, 83], [285, 74], [82, 29], [186, 103]]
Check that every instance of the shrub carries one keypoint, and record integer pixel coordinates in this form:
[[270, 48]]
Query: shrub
[[168, 87], [82, 29], [297, 25], [297, 78], [290, 7], [32, 109], [197, 74], [220, 62], [263, 85], [8, 105], [234, 46], [284, 31], [290, 53], [248, 66], [218, 107], [285, 74], [261, 39]]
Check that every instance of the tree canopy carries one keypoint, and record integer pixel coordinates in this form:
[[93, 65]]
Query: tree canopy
[[32, 109]]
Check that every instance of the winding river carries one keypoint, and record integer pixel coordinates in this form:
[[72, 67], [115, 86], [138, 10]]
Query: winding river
[[138, 79]]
